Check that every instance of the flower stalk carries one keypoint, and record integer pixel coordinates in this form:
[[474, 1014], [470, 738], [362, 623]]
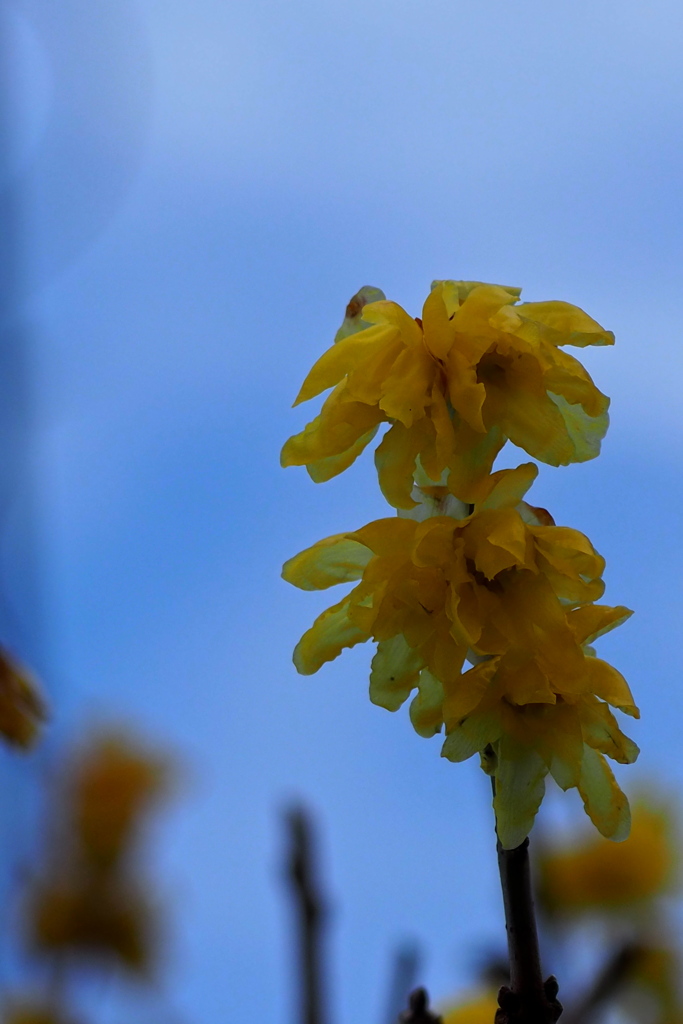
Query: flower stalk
[[528, 999]]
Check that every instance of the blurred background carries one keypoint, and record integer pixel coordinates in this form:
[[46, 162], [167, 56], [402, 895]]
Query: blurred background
[[191, 192]]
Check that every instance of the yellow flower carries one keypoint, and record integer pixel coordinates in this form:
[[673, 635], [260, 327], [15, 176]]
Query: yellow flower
[[113, 783], [513, 594], [89, 901], [595, 876], [32, 1012], [478, 1008], [566, 734], [475, 370], [102, 919], [22, 709]]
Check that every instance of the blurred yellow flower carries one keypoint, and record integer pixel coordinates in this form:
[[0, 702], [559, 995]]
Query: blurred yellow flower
[[112, 784], [89, 901], [22, 708], [475, 370], [596, 876], [99, 919], [26, 1012], [511, 593], [478, 1008]]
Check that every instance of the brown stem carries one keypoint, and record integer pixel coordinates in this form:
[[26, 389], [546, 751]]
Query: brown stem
[[310, 910], [528, 999]]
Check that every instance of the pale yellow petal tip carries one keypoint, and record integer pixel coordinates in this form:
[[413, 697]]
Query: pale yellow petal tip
[[303, 667], [291, 454], [353, 316], [511, 836], [287, 573], [623, 830]]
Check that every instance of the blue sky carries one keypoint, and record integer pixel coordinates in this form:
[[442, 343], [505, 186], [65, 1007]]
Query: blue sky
[[202, 186]]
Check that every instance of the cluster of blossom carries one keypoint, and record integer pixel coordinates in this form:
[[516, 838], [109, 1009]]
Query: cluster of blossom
[[475, 598], [89, 901], [87, 907]]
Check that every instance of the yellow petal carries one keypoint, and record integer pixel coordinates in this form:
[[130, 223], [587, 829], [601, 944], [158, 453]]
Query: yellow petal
[[522, 680], [426, 709], [438, 329], [584, 432], [395, 671], [608, 684], [507, 487], [517, 400], [561, 323], [466, 392], [476, 453], [497, 539], [455, 292], [343, 357], [324, 469], [474, 316], [390, 314], [463, 698], [391, 537], [564, 375], [601, 731], [443, 427], [395, 460], [337, 559], [594, 620], [520, 787], [605, 804], [407, 388], [326, 639], [472, 736], [335, 431], [568, 551]]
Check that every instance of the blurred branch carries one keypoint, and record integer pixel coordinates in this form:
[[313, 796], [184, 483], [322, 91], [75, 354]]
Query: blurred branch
[[418, 1011], [615, 973], [405, 966], [310, 909]]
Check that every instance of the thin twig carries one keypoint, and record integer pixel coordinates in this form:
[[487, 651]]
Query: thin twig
[[613, 976], [310, 910], [406, 963]]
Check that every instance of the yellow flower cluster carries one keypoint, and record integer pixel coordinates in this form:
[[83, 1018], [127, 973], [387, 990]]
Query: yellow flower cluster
[[594, 876], [89, 901], [475, 370], [468, 571]]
